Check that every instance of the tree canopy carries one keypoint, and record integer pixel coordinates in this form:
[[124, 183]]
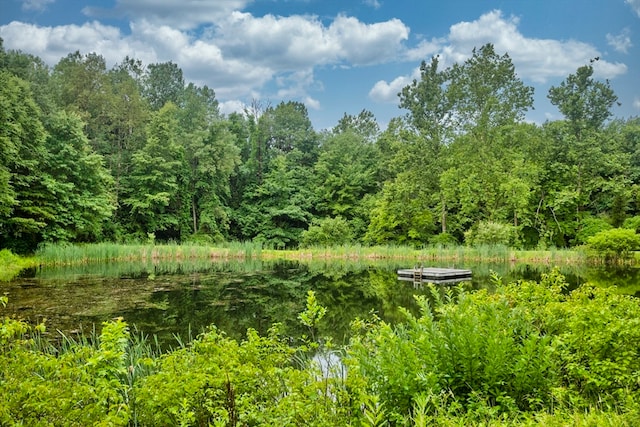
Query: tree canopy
[[89, 153]]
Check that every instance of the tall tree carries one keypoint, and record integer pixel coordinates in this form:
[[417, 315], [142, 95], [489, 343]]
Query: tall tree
[[163, 83], [488, 100], [153, 184], [364, 124], [344, 176], [83, 201], [580, 156], [211, 160], [487, 92], [26, 191], [80, 83], [277, 211], [287, 127], [584, 102]]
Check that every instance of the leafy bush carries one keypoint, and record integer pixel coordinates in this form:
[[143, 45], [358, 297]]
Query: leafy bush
[[617, 242], [492, 234], [632, 223], [589, 227], [527, 348], [327, 232], [444, 240]]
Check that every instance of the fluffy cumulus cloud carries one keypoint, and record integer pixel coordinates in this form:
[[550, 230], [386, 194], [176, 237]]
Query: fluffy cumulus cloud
[[53, 43], [302, 41], [620, 42], [536, 60], [387, 92], [237, 54], [241, 55]]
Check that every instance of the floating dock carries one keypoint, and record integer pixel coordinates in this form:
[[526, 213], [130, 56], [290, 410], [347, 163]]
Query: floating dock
[[434, 275]]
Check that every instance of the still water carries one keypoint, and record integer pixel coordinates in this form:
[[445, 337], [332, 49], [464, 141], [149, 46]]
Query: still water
[[174, 299]]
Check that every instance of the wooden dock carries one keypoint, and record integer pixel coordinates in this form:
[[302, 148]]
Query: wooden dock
[[434, 275]]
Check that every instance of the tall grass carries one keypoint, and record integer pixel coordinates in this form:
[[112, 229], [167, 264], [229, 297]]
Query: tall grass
[[65, 255], [486, 253], [56, 254]]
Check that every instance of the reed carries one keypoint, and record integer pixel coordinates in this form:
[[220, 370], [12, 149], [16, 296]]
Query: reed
[[65, 255], [61, 254]]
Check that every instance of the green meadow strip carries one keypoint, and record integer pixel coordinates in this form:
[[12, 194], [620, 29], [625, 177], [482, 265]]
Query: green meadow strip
[[73, 255], [109, 252]]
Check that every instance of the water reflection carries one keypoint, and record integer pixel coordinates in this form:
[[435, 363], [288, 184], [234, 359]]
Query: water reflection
[[184, 298]]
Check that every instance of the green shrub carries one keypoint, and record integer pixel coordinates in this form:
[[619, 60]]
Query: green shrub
[[527, 348], [443, 239], [615, 243], [589, 227], [632, 223], [492, 234], [327, 232]]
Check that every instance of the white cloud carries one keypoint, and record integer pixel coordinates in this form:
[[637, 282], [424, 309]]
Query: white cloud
[[362, 44], [388, 92], [182, 14], [311, 103], [36, 5], [373, 3], [621, 42], [425, 49], [232, 106], [537, 60], [635, 4], [53, 43], [302, 41], [237, 56], [636, 103]]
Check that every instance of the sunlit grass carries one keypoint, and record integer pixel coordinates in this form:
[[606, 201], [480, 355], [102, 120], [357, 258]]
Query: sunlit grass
[[110, 252], [54, 254], [11, 265]]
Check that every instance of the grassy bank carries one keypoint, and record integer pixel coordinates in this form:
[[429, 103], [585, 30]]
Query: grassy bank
[[11, 265]]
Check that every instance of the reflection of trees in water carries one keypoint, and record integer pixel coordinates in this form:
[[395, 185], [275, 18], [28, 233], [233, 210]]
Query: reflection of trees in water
[[236, 296]]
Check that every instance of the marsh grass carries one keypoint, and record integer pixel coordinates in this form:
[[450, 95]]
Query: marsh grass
[[65, 255], [59, 254]]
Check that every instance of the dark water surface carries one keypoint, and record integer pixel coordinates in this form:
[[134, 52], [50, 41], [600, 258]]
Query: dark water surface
[[182, 299]]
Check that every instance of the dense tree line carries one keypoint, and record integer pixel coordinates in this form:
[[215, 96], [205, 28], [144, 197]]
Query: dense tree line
[[89, 153]]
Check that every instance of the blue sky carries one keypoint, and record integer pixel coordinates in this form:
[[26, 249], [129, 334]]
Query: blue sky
[[338, 56]]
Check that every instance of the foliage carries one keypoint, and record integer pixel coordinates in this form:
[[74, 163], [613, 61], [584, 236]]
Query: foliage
[[443, 239], [526, 353], [632, 223], [589, 227], [95, 154], [491, 233], [327, 232], [523, 349], [617, 242]]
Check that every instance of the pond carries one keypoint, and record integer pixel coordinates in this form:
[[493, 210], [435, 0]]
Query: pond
[[178, 299]]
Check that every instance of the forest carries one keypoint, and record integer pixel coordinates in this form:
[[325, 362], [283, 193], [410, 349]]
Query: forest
[[133, 153]]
